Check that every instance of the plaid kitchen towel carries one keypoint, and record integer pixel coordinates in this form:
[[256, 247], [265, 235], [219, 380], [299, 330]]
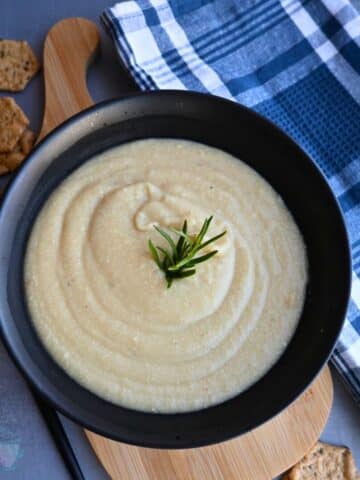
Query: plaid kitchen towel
[[296, 62]]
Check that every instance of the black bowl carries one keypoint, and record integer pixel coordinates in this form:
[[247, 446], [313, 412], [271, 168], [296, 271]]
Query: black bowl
[[261, 145]]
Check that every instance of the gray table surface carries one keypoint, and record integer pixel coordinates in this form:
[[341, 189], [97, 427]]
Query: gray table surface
[[27, 451]]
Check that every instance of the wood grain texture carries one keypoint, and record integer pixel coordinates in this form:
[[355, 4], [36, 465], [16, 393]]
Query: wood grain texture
[[69, 48], [261, 454], [258, 455]]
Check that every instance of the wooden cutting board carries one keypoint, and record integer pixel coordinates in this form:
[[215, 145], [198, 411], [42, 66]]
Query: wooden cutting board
[[259, 455]]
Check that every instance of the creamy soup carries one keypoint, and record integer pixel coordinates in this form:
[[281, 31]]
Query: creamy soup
[[100, 304]]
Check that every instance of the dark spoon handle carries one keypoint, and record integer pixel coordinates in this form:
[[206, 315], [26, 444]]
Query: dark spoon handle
[[59, 436]]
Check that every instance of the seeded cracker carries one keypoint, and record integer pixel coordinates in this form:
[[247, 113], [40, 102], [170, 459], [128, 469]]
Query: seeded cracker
[[325, 462], [13, 123], [3, 170], [18, 65], [12, 160], [9, 161]]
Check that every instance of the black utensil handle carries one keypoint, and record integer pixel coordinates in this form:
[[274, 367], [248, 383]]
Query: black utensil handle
[[53, 423], [59, 436]]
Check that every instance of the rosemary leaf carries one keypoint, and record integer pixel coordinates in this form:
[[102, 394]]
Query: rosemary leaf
[[203, 258], [167, 238], [154, 253], [213, 239]]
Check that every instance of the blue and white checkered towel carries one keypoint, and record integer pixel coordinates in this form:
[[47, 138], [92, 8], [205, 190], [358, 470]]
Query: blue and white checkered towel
[[295, 62]]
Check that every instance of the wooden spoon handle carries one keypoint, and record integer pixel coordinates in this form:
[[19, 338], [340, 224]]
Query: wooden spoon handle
[[69, 47]]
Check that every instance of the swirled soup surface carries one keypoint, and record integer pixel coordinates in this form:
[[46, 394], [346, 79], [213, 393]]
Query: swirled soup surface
[[100, 304]]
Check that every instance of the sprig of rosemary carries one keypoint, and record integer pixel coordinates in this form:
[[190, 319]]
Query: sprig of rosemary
[[178, 261]]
